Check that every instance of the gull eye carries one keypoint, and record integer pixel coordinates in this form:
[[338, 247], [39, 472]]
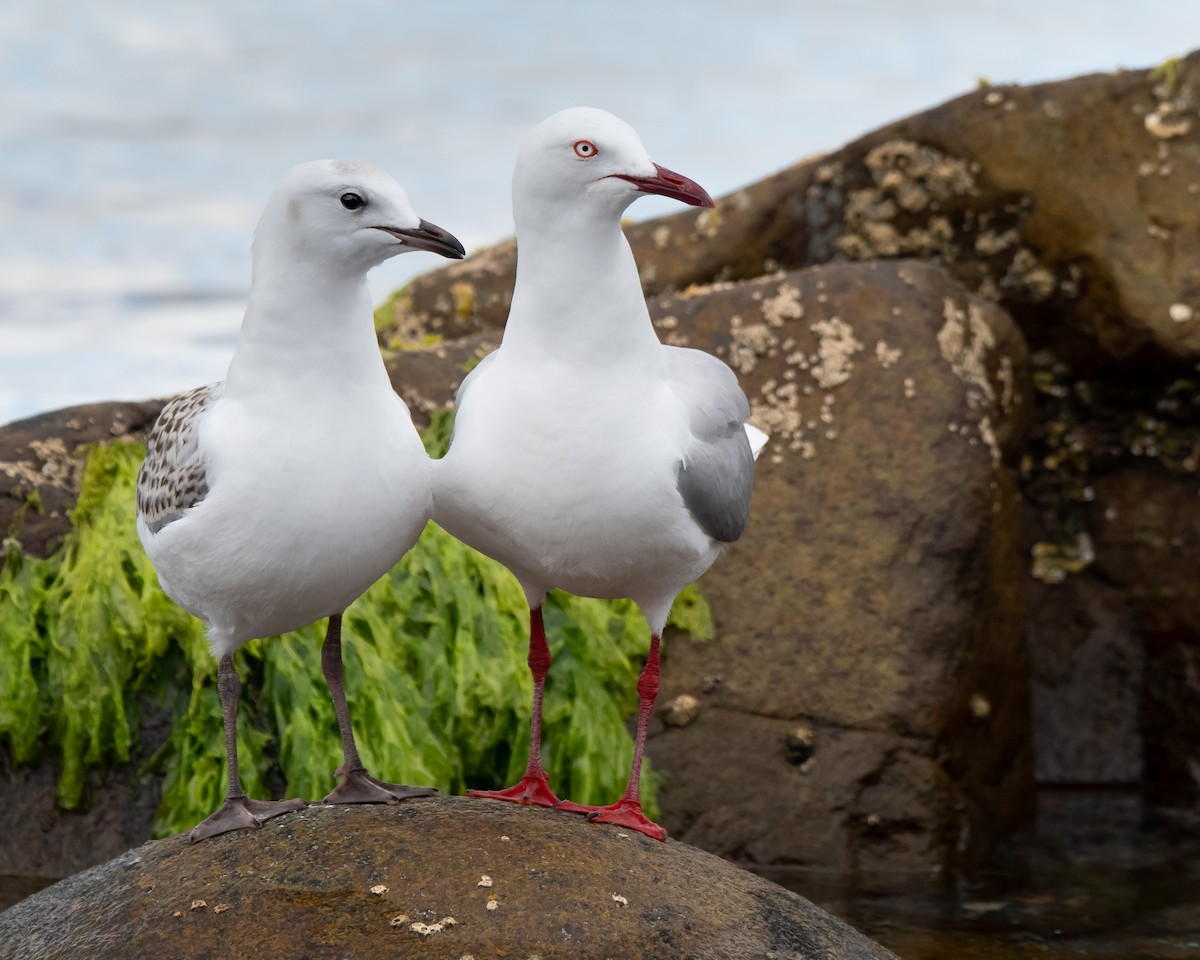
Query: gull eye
[[585, 149], [352, 201]]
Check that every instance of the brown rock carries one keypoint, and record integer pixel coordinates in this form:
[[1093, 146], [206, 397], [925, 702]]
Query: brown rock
[[877, 592], [443, 877], [1146, 527], [429, 378], [1088, 666], [1073, 204], [41, 465], [38, 839], [1146, 530]]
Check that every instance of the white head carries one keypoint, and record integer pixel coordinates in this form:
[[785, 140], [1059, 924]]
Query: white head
[[346, 214], [593, 160]]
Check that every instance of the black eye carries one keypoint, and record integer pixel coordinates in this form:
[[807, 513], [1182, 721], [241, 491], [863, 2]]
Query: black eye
[[352, 201]]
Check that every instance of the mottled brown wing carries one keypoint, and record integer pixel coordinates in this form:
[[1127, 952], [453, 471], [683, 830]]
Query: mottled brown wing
[[172, 479]]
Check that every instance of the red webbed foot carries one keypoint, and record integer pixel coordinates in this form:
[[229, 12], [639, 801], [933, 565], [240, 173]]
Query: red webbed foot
[[532, 789], [628, 813]]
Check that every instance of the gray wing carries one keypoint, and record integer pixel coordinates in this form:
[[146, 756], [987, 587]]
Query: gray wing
[[716, 473], [172, 478]]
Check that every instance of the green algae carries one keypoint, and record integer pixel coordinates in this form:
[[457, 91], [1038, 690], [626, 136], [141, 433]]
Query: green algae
[[435, 670]]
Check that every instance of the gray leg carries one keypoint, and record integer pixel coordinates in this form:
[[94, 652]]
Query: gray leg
[[357, 785], [238, 812]]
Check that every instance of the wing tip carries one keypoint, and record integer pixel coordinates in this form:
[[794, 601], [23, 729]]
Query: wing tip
[[758, 439]]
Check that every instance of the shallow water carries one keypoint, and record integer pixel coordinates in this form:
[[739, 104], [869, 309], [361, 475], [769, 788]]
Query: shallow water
[[1097, 876]]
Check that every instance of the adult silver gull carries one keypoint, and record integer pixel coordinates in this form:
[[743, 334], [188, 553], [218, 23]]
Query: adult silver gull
[[587, 455], [277, 497]]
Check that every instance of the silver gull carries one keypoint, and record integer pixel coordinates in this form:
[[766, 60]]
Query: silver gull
[[586, 454], [277, 497]]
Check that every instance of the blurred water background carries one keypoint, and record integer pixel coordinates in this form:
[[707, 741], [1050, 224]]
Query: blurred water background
[[139, 138]]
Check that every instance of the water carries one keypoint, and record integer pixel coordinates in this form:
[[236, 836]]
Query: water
[[138, 140]]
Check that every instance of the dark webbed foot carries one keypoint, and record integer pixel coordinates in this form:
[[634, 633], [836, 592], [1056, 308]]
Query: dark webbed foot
[[358, 786], [242, 813]]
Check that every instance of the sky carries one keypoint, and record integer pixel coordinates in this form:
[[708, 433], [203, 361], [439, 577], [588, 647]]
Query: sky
[[139, 139]]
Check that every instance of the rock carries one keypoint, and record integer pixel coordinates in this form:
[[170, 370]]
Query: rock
[[37, 839], [1088, 666], [876, 596], [41, 466], [1073, 204], [1146, 527], [1146, 530], [443, 877]]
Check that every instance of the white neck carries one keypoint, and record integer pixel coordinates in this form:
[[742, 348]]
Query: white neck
[[578, 297], [306, 324]]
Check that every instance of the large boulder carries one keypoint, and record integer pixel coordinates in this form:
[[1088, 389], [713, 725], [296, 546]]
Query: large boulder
[[865, 702], [443, 877]]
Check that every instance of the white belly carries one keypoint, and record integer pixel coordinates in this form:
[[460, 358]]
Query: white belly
[[599, 517], [297, 524]]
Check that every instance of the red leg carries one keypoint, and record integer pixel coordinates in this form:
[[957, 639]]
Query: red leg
[[627, 812], [533, 787]]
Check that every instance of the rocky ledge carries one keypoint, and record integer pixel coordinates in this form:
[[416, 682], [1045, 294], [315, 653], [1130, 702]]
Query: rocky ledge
[[446, 877]]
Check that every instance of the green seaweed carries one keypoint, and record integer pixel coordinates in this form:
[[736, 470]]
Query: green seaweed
[[1169, 73], [435, 671]]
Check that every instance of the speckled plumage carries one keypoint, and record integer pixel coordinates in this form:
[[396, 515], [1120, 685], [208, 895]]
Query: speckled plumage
[[173, 477]]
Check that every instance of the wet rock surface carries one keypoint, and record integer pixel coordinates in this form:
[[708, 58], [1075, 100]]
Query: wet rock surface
[[442, 877]]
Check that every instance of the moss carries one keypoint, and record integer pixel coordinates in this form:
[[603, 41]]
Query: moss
[[435, 662], [1169, 73]]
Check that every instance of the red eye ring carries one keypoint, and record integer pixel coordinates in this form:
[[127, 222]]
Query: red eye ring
[[585, 149]]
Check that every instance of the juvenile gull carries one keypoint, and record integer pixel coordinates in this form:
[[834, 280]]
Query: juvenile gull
[[587, 455], [275, 498]]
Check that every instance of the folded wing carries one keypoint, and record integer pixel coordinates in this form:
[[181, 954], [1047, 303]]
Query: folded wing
[[172, 479], [716, 472]]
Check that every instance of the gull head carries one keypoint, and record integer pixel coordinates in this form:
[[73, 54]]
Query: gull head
[[346, 214], [589, 158]]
